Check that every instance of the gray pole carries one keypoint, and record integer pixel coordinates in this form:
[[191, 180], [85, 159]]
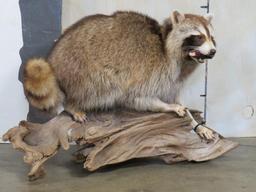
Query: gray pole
[[207, 7], [41, 25]]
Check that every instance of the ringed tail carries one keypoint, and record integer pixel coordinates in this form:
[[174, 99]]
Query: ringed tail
[[40, 85]]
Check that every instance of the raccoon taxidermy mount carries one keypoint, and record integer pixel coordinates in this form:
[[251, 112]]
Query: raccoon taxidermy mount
[[123, 60]]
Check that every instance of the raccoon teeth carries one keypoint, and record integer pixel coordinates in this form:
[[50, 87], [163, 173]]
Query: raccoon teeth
[[201, 60], [192, 54]]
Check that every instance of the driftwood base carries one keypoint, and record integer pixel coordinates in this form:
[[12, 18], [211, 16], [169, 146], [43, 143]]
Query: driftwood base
[[113, 137]]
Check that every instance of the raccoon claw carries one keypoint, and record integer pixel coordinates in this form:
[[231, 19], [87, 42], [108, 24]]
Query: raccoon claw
[[80, 117], [179, 109], [205, 133]]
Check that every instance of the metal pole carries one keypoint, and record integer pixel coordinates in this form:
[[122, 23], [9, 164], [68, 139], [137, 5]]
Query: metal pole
[[207, 7], [41, 25]]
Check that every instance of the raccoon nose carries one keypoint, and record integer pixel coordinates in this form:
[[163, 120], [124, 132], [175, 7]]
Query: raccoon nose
[[212, 52]]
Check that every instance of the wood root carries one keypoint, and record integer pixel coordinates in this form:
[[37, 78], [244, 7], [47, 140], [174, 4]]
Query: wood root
[[114, 137]]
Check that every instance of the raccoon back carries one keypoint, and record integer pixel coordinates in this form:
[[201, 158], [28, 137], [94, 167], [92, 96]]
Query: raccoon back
[[102, 58], [123, 43]]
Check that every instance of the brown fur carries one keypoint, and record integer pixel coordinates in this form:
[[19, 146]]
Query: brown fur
[[200, 19], [96, 56], [104, 61], [40, 85]]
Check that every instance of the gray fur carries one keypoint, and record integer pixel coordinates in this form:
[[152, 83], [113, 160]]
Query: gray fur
[[126, 59]]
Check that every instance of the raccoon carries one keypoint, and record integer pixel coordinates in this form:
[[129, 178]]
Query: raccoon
[[126, 60]]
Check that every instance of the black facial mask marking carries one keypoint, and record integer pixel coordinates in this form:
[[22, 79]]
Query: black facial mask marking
[[194, 41]]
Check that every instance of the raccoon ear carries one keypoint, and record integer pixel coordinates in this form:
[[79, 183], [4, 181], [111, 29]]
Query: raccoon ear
[[177, 17], [208, 17]]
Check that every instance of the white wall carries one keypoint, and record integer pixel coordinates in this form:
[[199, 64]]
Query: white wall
[[231, 73], [12, 101], [232, 91], [232, 77]]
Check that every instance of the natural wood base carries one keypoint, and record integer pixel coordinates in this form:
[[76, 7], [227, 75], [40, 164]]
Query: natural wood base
[[113, 137]]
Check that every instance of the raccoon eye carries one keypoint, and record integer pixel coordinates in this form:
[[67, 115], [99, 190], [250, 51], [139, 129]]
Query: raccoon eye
[[198, 37]]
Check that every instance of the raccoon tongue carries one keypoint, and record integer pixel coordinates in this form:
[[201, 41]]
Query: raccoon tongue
[[192, 53]]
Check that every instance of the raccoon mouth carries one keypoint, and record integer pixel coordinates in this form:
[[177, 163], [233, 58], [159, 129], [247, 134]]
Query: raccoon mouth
[[197, 56]]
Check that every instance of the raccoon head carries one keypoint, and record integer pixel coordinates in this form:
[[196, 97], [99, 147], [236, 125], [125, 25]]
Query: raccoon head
[[194, 36]]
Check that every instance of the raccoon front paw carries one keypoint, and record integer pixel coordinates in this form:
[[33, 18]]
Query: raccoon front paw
[[178, 109], [205, 133], [79, 117]]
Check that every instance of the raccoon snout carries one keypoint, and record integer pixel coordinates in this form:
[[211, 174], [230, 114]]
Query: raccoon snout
[[211, 53]]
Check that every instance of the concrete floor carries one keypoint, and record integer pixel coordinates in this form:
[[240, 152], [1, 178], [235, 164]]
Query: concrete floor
[[234, 172]]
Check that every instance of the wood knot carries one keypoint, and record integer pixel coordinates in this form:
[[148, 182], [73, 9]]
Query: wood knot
[[92, 131]]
